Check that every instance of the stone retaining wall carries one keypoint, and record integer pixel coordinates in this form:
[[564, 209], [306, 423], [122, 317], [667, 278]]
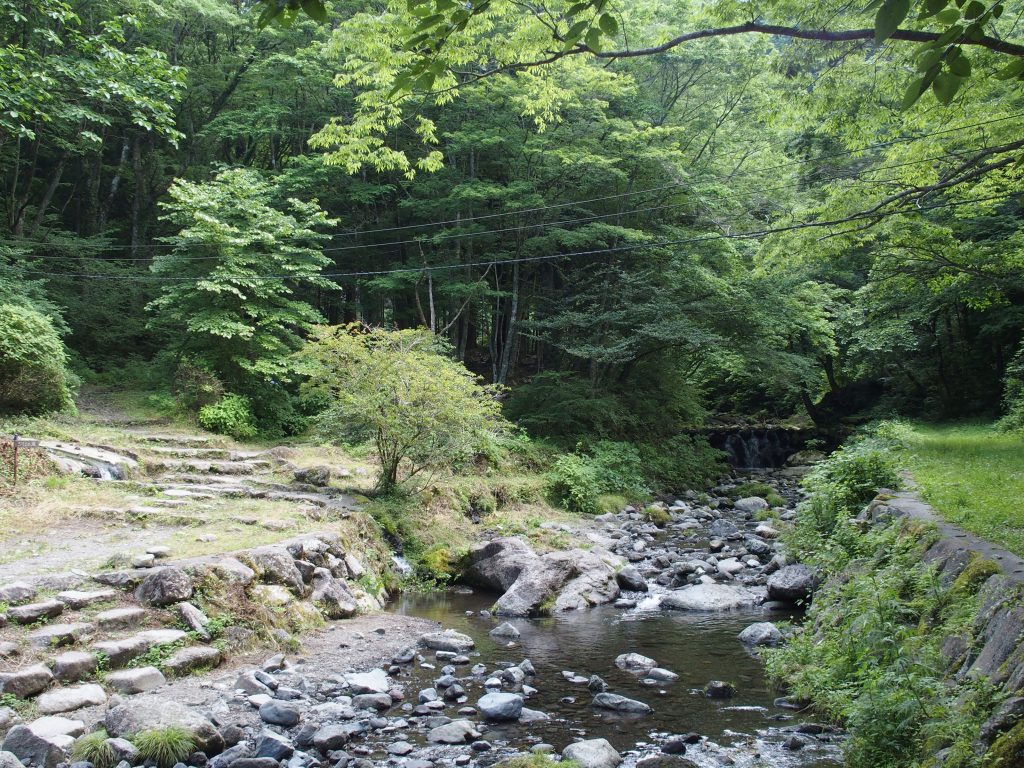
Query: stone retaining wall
[[993, 647]]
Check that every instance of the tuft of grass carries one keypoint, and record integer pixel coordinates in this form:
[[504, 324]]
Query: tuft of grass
[[657, 515], [612, 502], [536, 760], [165, 746], [746, 490], [157, 655], [93, 748], [973, 475]]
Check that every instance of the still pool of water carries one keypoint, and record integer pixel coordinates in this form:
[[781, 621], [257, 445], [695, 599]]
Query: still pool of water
[[699, 647]]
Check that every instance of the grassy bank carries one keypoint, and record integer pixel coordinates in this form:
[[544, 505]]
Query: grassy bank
[[872, 654], [973, 475]]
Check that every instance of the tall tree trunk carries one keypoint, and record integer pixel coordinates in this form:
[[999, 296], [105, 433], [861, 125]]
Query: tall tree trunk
[[140, 186], [512, 327], [115, 183], [51, 189]]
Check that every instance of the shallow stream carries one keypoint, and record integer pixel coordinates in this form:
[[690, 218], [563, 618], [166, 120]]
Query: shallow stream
[[745, 731]]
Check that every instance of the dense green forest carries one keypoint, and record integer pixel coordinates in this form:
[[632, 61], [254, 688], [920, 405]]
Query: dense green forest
[[775, 225], [487, 285]]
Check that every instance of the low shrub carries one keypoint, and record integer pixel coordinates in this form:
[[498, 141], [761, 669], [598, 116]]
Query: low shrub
[[34, 375], [657, 515], [231, 415], [574, 484], [437, 564], [1013, 394], [196, 386], [842, 484]]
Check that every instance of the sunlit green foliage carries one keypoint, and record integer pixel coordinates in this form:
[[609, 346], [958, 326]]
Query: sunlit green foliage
[[238, 272], [33, 363], [423, 411]]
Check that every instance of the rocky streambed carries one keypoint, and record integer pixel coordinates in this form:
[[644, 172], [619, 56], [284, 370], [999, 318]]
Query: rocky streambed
[[637, 647]]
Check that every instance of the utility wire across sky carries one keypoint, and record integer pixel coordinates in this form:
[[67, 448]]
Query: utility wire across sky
[[242, 278]]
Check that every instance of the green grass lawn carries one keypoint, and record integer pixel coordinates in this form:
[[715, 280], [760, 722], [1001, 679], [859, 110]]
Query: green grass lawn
[[974, 476]]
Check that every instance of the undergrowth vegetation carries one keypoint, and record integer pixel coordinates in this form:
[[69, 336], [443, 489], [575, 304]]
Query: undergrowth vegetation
[[871, 653], [578, 480]]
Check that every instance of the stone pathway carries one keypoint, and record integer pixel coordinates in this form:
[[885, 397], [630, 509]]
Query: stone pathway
[[910, 504], [171, 482], [102, 609]]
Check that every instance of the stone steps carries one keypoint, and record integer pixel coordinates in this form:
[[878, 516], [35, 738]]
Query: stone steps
[[188, 478], [178, 440], [183, 452], [211, 466]]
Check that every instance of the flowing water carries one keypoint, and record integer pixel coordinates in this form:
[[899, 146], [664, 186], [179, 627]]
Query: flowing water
[[699, 647]]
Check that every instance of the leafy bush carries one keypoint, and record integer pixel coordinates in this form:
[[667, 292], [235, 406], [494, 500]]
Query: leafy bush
[[619, 467], [574, 483], [437, 563], [850, 478], [1013, 395], [231, 415], [33, 363], [196, 386], [165, 746], [276, 411], [93, 748], [578, 480], [424, 411], [682, 462]]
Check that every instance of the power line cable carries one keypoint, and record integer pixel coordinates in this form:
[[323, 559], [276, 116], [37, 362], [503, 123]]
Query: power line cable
[[849, 175], [520, 260], [553, 206]]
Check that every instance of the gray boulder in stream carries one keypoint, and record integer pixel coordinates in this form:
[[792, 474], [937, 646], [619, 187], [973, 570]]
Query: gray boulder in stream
[[616, 703], [595, 753], [533, 584], [751, 504], [631, 579], [710, 597], [761, 633], [792, 584], [496, 564], [500, 706]]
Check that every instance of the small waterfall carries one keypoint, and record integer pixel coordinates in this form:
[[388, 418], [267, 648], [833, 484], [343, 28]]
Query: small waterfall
[[90, 461], [401, 565], [758, 448]]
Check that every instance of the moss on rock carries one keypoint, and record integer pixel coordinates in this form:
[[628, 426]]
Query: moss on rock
[[657, 515], [1008, 750], [977, 572]]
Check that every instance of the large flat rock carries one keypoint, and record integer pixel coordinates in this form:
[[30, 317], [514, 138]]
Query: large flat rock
[[69, 699], [710, 597]]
